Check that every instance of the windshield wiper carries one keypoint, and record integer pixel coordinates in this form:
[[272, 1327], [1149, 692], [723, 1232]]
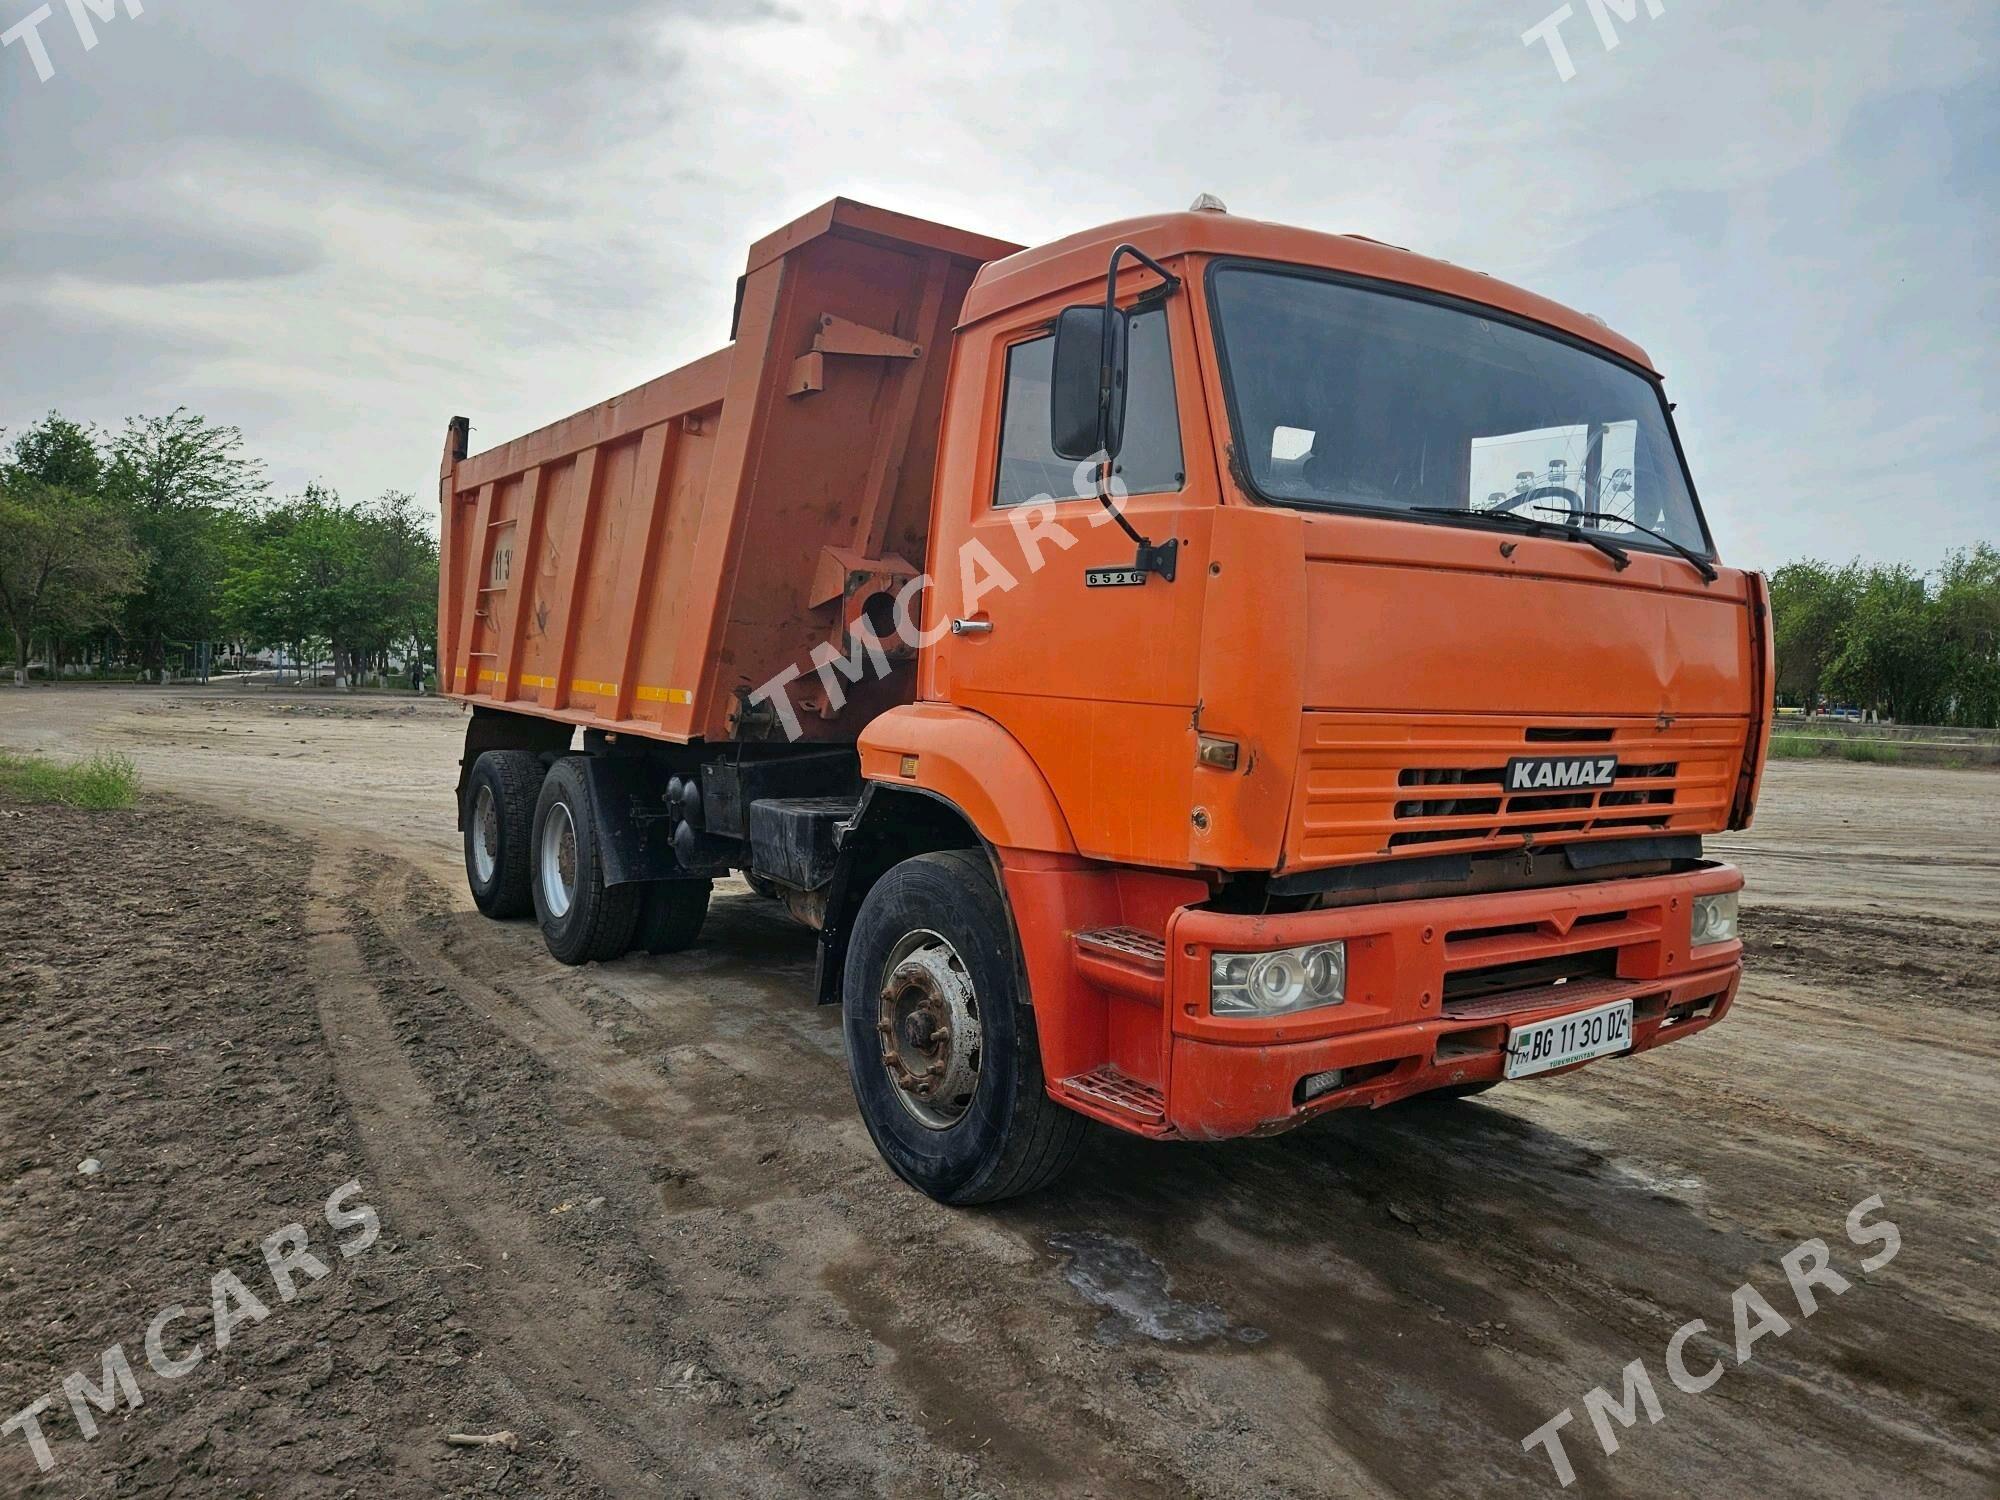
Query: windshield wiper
[[1701, 564], [1609, 548]]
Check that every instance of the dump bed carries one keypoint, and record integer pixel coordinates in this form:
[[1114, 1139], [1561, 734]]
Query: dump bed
[[646, 564]]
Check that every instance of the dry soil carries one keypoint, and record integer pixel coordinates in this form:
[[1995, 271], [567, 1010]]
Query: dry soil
[[627, 1212]]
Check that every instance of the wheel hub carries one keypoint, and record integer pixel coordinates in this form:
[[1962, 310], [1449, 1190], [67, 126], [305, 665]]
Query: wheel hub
[[558, 861], [929, 1027], [485, 833]]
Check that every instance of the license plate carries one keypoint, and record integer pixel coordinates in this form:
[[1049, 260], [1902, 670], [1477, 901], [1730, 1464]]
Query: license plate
[[1569, 1039]]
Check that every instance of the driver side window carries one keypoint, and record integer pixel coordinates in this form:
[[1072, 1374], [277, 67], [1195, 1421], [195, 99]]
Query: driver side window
[[1151, 461]]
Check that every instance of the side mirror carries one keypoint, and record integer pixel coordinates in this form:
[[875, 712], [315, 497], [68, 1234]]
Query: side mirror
[[1087, 383]]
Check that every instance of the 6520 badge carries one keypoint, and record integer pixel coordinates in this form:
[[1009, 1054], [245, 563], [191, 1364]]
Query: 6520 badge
[[1114, 578]]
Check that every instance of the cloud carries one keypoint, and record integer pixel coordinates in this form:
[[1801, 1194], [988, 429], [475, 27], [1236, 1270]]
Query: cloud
[[338, 225]]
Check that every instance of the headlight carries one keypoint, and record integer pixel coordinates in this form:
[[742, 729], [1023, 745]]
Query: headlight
[[1267, 984], [1714, 919]]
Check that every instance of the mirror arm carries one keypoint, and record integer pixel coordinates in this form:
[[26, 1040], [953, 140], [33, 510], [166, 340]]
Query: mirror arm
[[1170, 281], [1151, 559]]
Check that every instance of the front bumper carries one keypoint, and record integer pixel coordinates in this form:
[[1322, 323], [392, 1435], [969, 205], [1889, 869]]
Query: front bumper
[[1434, 989]]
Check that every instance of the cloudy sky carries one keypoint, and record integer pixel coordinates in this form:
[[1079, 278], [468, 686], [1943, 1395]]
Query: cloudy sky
[[336, 224]]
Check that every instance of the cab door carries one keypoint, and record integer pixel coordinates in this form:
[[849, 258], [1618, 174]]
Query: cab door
[[1095, 675]]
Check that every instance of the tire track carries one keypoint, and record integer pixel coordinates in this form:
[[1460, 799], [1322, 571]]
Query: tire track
[[811, 1283], [561, 1337]]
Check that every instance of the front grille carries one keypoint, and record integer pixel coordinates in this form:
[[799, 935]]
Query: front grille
[[1376, 783], [1570, 993], [1465, 793], [1469, 990]]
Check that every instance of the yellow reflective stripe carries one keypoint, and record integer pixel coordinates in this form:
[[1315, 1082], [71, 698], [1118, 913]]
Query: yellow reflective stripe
[[596, 689]]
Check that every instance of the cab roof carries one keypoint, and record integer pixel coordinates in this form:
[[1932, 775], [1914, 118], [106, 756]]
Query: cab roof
[[1078, 260]]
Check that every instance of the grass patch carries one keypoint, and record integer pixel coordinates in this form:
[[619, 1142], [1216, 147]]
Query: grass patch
[[1871, 750], [1825, 746], [98, 783]]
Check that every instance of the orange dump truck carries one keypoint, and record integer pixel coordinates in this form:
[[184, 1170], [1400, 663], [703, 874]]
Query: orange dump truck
[[1194, 675]]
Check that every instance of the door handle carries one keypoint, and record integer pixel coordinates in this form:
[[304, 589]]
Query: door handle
[[971, 627]]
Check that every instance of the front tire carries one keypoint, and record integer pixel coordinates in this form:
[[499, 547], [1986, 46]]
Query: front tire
[[941, 1044], [499, 818], [582, 918]]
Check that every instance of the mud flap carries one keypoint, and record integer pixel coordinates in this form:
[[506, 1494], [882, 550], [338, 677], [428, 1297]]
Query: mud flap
[[635, 830]]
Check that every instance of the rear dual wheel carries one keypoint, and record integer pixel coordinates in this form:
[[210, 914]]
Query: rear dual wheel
[[498, 819], [671, 913], [582, 919]]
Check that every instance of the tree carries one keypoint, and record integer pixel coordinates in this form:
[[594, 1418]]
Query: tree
[[184, 484], [1968, 631], [1810, 602], [1888, 657], [306, 573], [403, 556], [57, 451], [66, 559]]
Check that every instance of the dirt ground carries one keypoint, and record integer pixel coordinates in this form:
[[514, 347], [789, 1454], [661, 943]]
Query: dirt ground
[[628, 1213]]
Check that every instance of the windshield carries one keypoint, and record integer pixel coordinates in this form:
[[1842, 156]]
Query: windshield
[[1343, 396]]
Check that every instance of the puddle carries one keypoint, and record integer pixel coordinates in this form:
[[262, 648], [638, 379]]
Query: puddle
[[1136, 1294]]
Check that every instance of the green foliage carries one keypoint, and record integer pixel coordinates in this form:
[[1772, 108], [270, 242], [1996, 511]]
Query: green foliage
[[362, 579], [1879, 752], [1836, 747], [58, 452], [404, 558], [1920, 649], [1968, 631], [66, 560], [166, 533], [101, 783], [185, 485], [1809, 603]]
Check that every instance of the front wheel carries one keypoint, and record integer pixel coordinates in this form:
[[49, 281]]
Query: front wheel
[[941, 1044]]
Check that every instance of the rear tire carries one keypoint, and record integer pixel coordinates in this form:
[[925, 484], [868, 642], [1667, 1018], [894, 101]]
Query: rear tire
[[499, 816], [583, 920], [941, 1043], [671, 913]]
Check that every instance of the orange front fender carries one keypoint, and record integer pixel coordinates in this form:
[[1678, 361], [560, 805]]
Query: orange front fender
[[971, 762]]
